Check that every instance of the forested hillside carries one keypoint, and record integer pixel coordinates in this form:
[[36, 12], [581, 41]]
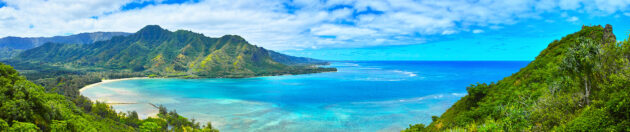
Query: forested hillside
[[181, 53], [292, 60], [578, 83], [26, 107]]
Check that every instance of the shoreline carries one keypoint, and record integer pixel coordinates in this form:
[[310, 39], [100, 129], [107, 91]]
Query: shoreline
[[134, 78], [152, 110], [143, 113], [109, 80]]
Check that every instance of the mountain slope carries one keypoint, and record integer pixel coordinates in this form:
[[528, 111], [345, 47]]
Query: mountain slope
[[577, 83], [180, 53], [12, 46], [82, 38], [7, 53], [292, 60]]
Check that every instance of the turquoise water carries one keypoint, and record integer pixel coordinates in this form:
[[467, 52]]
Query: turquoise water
[[361, 96]]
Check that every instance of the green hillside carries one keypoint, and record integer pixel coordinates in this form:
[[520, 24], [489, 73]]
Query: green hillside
[[292, 60], [7, 53], [159, 51], [27, 107], [578, 83]]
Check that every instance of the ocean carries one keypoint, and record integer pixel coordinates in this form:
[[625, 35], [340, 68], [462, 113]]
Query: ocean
[[360, 96]]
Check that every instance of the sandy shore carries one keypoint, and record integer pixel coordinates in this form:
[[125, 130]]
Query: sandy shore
[[109, 80], [144, 109]]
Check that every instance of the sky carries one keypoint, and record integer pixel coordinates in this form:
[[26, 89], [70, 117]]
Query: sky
[[337, 29]]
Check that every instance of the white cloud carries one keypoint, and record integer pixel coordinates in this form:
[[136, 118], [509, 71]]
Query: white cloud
[[448, 32], [476, 31], [341, 32], [341, 13], [573, 19], [270, 24], [569, 4]]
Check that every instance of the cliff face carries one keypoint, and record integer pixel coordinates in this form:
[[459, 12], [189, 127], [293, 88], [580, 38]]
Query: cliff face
[[608, 35], [577, 83]]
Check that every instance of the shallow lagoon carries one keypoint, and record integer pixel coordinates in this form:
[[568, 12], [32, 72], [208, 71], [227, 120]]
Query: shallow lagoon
[[361, 96]]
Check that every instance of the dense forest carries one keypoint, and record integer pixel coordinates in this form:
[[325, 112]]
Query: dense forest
[[577, 83]]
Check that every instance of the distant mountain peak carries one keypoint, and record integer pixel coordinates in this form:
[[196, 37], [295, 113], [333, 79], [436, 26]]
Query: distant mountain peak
[[152, 32], [151, 28], [234, 38]]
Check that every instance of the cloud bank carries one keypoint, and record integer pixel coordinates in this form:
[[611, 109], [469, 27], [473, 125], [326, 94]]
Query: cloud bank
[[292, 24]]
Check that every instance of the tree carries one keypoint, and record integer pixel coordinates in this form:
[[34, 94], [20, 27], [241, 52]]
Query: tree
[[23, 127], [59, 126], [581, 60], [133, 114], [162, 110], [150, 127], [3, 125], [209, 128]]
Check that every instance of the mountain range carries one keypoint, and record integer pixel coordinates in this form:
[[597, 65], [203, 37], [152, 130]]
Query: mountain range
[[11, 46], [179, 53], [82, 38]]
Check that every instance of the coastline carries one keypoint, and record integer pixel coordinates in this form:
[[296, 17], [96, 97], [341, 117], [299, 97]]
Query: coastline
[[145, 110], [133, 78], [149, 109], [109, 80]]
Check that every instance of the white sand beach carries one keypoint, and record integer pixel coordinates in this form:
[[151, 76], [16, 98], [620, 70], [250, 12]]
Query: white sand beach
[[109, 80], [144, 109]]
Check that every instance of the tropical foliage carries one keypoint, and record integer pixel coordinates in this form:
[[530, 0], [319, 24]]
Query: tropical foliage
[[578, 83], [26, 106]]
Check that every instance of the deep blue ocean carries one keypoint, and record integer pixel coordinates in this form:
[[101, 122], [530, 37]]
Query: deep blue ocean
[[360, 96]]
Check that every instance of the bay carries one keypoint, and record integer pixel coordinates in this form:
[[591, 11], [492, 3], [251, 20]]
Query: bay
[[360, 96]]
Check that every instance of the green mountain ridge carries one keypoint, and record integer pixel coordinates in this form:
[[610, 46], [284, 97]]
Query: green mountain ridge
[[292, 60], [180, 53], [13, 46], [578, 83], [25, 43]]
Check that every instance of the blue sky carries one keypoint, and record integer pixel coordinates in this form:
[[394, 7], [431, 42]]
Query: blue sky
[[337, 29], [521, 41]]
